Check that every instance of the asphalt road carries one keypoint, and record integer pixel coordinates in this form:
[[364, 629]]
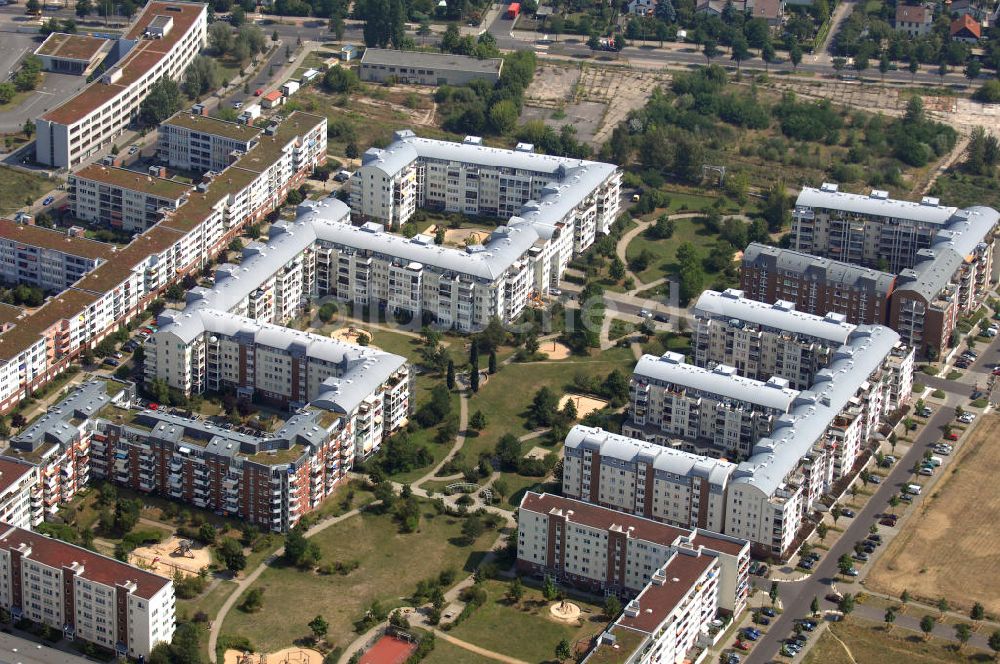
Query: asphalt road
[[796, 597], [16, 650]]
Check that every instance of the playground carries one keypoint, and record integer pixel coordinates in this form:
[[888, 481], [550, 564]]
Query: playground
[[389, 650], [172, 555], [585, 405], [286, 656], [554, 349], [350, 334]]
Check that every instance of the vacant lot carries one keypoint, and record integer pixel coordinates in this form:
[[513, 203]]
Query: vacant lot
[[870, 643], [949, 550], [18, 188], [390, 564]]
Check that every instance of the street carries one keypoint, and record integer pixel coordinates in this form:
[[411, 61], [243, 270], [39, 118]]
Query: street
[[16, 650], [797, 596]]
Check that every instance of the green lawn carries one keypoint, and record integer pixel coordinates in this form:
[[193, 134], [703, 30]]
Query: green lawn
[[664, 252], [684, 202], [445, 653], [493, 624], [390, 566], [505, 397], [18, 188], [520, 484]]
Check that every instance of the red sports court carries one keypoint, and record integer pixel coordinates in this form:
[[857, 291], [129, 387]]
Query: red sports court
[[389, 650]]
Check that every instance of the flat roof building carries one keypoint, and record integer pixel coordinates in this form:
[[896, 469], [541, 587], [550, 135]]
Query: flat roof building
[[72, 54], [416, 67], [203, 143], [123, 199], [162, 41], [52, 260]]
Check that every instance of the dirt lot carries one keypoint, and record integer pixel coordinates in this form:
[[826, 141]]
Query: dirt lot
[[554, 349], [948, 550], [584, 405], [286, 656]]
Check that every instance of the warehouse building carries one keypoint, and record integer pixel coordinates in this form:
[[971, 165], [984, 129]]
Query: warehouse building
[[379, 65]]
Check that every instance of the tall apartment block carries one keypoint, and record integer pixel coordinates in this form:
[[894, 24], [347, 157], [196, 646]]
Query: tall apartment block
[[707, 408], [51, 260], [664, 467], [36, 346], [763, 340], [20, 498], [203, 143], [162, 41], [603, 550], [940, 261], [816, 285], [123, 199], [84, 595]]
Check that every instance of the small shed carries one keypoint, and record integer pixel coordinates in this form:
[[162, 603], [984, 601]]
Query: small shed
[[348, 52]]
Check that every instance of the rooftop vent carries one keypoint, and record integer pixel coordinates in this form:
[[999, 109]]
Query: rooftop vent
[[829, 187]]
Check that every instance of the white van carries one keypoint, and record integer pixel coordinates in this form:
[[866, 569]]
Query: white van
[[935, 461], [912, 489]]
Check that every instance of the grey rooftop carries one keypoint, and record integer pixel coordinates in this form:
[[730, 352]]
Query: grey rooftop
[[730, 305], [420, 59]]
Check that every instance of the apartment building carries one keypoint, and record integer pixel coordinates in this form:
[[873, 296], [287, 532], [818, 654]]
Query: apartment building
[[51, 260], [123, 199], [58, 445], [636, 477], [874, 231], [816, 285], [603, 550], [84, 595], [559, 194], [669, 621], [764, 340], [380, 65], [162, 41], [707, 409], [20, 503], [36, 347], [203, 143]]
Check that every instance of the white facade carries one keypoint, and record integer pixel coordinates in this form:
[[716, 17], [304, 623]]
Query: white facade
[[96, 116], [203, 143], [123, 199], [112, 604]]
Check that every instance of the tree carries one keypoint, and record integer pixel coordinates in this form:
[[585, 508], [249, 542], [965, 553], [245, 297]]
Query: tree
[[163, 100], [904, 597], [972, 69], [814, 606], [202, 76], [795, 55], [927, 626], [563, 651], [963, 633], [450, 376], [942, 605], [492, 363], [978, 612], [508, 450], [319, 627], [612, 607], [515, 591], [883, 65], [33, 7], [914, 67], [549, 589], [740, 51], [617, 269], [773, 593], [207, 534], [478, 420], [84, 8], [220, 37], [710, 49], [472, 529], [943, 69], [846, 604], [889, 618], [894, 503], [844, 564], [822, 531], [275, 37], [994, 641], [768, 54], [474, 378], [231, 553]]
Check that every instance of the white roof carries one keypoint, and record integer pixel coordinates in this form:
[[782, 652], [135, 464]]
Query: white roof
[[667, 459], [722, 381], [780, 316], [829, 198]]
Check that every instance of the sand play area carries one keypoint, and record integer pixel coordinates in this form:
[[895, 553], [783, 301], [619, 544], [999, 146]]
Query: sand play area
[[350, 334], [554, 349], [584, 405], [286, 656], [169, 557], [463, 237], [564, 611]]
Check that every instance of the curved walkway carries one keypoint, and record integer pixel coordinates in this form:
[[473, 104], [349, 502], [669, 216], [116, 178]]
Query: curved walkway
[[465, 645], [247, 581]]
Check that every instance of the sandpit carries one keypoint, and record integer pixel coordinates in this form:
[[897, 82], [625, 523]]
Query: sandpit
[[537, 453], [350, 334], [564, 611], [286, 656], [165, 558], [554, 349], [584, 405], [461, 237]]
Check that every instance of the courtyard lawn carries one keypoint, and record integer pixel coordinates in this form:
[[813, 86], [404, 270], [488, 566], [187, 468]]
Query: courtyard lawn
[[519, 484], [537, 634], [506, 396], [681, 201], [390, 566], [663, 253]]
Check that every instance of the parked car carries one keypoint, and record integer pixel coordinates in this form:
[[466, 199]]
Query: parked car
[[733, 658], [48, 200], [848, 513], [875, 479], [874, 537], [951, 436], [806, 564], [961, 364], [925, 412], [742, 646], [237, 104], [863, 557], [834, 597], [111, 362], [813, 556], [258, 92], [967, 418], [906, 498], [888, 522], [762, 620], [768, 611], [119, 356], [926, 471], [851, 572]]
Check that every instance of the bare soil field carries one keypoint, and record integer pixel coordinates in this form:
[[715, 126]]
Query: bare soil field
[[948, 549], [585, 405], [166, 558]]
